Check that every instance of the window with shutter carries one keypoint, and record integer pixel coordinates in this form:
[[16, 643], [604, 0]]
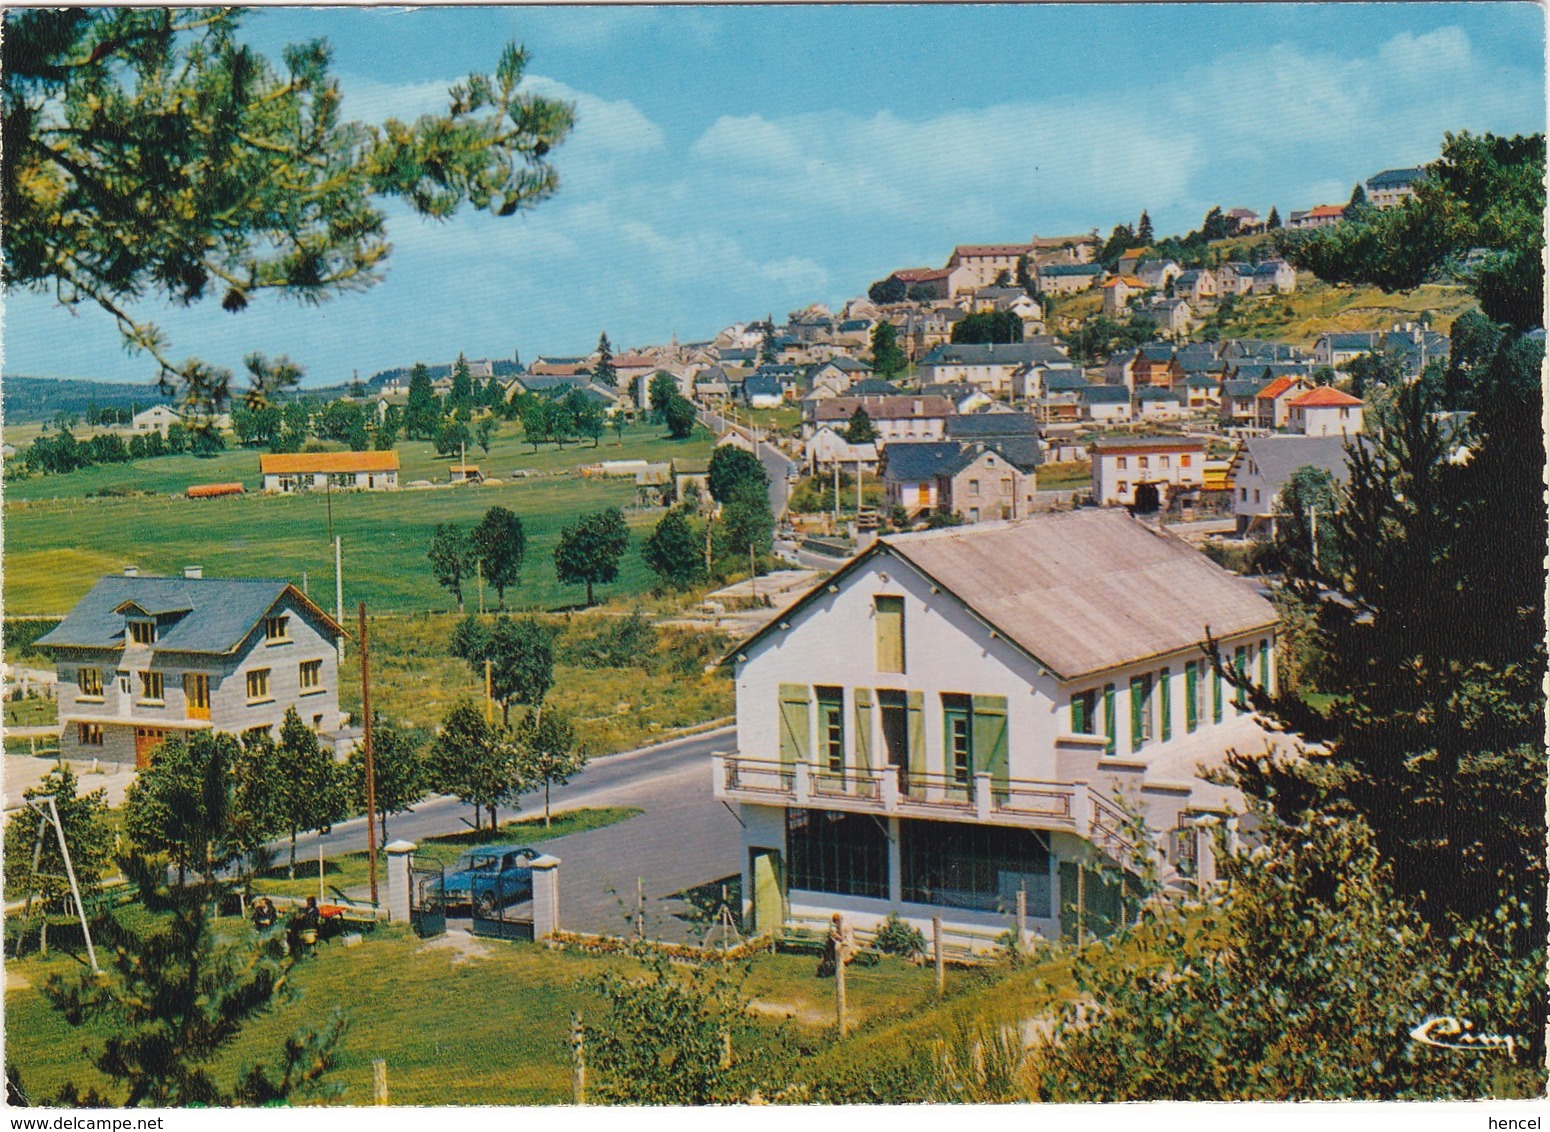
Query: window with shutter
[[1110, 721], [1264, 665], [863, 699], [1165, 704], [992, 752], [1191, 690], [1216, 695], [796, 741]]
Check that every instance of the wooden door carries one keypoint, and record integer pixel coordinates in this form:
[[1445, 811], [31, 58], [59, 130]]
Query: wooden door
[[147, 739], [769, 889]]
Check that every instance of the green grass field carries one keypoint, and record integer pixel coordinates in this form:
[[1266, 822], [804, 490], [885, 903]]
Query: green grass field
[[461, 1021], [59, 542]]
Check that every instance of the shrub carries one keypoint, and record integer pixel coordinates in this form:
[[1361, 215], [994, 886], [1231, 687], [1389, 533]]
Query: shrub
[[896, 937]]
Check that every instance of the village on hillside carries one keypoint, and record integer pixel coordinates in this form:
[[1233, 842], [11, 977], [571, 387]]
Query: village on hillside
[[1103, 667]]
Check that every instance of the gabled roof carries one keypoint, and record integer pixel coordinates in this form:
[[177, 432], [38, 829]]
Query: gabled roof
[[1106, 395], [1079, 592], [1058, 380], [917, 461], [994, 353], [1156, 393], [1269, 266], [1127, 281], [1396, 178], [897, 407], [1277, 457], [981, 426], [1275, 389], [217, 614], [1057, 270], [762, 385], [1324, 211], [873, 387], [1352, 340], [1325, 396], [293, 463], [1021, 452], [1243, 389]]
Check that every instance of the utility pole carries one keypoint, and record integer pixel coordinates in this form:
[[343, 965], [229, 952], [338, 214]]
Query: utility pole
[[371, 766], [339, 593]]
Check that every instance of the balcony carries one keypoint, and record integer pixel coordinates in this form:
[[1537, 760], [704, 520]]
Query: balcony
[[1063, 806]]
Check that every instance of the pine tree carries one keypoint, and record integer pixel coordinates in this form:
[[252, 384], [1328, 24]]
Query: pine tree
[[604, 372], [1144, 229]]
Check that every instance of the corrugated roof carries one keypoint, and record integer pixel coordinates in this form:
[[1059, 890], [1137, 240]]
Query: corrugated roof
[[291, 463], [1086, 591], [220, 612]]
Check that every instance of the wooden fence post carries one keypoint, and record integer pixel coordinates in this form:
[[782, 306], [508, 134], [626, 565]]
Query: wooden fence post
[[379, 1089], [936, 949], [578, 1057], [839, 984]]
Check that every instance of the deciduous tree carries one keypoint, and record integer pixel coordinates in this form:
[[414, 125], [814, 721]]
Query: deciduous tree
[[589, 549], [499, 545], [451, 556], [547, 751]]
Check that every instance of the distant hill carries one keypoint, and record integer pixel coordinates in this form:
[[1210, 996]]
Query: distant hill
[[30, 399]]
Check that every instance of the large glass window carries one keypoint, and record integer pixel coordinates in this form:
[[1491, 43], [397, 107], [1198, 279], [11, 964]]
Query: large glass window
[[846, 854], [980, 867]]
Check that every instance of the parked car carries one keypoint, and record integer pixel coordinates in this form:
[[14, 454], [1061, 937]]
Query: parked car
[[491, 878]]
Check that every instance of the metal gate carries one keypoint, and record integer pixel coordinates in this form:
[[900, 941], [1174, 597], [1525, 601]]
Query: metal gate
[[504, 910], [427, 901]]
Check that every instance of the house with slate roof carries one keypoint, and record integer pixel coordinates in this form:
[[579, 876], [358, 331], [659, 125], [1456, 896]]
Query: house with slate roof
[[1237, 401], [941, 728], [829, 446], [1157, 273], [1274, 277], [1153, 404], [1392, 187], [144, 658], [1413, 345], [992, 366], [898, 417], [1069, 278], [1338, 347], [1262, 467], [910, 471], [1110, 403], [763, 391], [1196, 284], [992, 479]]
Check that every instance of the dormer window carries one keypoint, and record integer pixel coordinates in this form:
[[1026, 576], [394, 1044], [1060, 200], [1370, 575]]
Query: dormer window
[[142, 632], [277, 630]]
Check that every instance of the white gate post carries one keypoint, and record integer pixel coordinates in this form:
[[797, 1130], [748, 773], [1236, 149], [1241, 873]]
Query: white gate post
[[546, 896], [399, 854]]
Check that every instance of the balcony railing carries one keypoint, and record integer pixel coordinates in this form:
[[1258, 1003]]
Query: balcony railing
[[897, 790]]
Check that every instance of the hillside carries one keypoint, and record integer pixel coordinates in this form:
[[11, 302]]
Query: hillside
[[32, 399]]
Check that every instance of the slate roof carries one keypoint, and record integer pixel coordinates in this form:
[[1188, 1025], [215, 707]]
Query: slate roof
[[1058, 270], [1356, 340], [873, 387], [851, 325], [1085, 591], [1063, 380], [848, 365], [1201, 381], [982, 426], [217, 614], [1395, 178], [917, 461], [1155, 393], [1269, 267], [1021, 452], [900, 406], [1277, 457], [989, 354], [1106, 395], [1242, 389], [1155, 351], [762, 385]]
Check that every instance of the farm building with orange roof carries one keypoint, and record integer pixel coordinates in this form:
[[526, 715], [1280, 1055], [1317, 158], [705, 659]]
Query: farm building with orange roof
[[287, 472]]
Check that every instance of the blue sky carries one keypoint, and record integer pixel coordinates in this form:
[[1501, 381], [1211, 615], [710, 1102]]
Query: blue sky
[[733, 161]]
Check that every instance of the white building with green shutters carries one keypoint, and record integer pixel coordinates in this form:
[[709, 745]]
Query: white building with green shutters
[[962, 715]]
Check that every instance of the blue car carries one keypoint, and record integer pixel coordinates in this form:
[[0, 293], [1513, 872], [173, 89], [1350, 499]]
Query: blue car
[[489, 879]]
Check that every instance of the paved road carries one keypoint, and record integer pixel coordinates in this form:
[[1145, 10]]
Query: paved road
[[777, 465], [683, 838]]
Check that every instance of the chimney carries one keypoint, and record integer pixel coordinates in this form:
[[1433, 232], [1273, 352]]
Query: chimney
[[131, 571], [193, 571], [919, 408]]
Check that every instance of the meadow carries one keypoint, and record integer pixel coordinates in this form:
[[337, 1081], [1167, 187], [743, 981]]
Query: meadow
[[63, 533]]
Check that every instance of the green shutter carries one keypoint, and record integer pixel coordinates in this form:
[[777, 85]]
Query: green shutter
[[1264, 666], [889, 611], [1216, 695], [863, 729], [1110, 723], [1079, 720], [916, 707], [1137, 697], [796, 733], [1240, 662], [1165, 692], [990, 747], [1191, 690]]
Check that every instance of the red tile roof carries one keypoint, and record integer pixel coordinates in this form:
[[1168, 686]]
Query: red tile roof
[[289, 463], [1325, 210], [1324, 397], [1277, 387]]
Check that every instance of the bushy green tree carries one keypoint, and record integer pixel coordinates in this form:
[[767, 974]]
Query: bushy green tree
[[474, 762], [311, 784], [730, 467], [673, 551], [547, 751], [421, 412], [1309, 498], [604, 372], [88, 836], [451, 555], [521, 662], [860, 429], [499, 546], [590, 549], [679, 415], [662, 388], [398, 770], [152, 153], [887, 358], [1302, 981]]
